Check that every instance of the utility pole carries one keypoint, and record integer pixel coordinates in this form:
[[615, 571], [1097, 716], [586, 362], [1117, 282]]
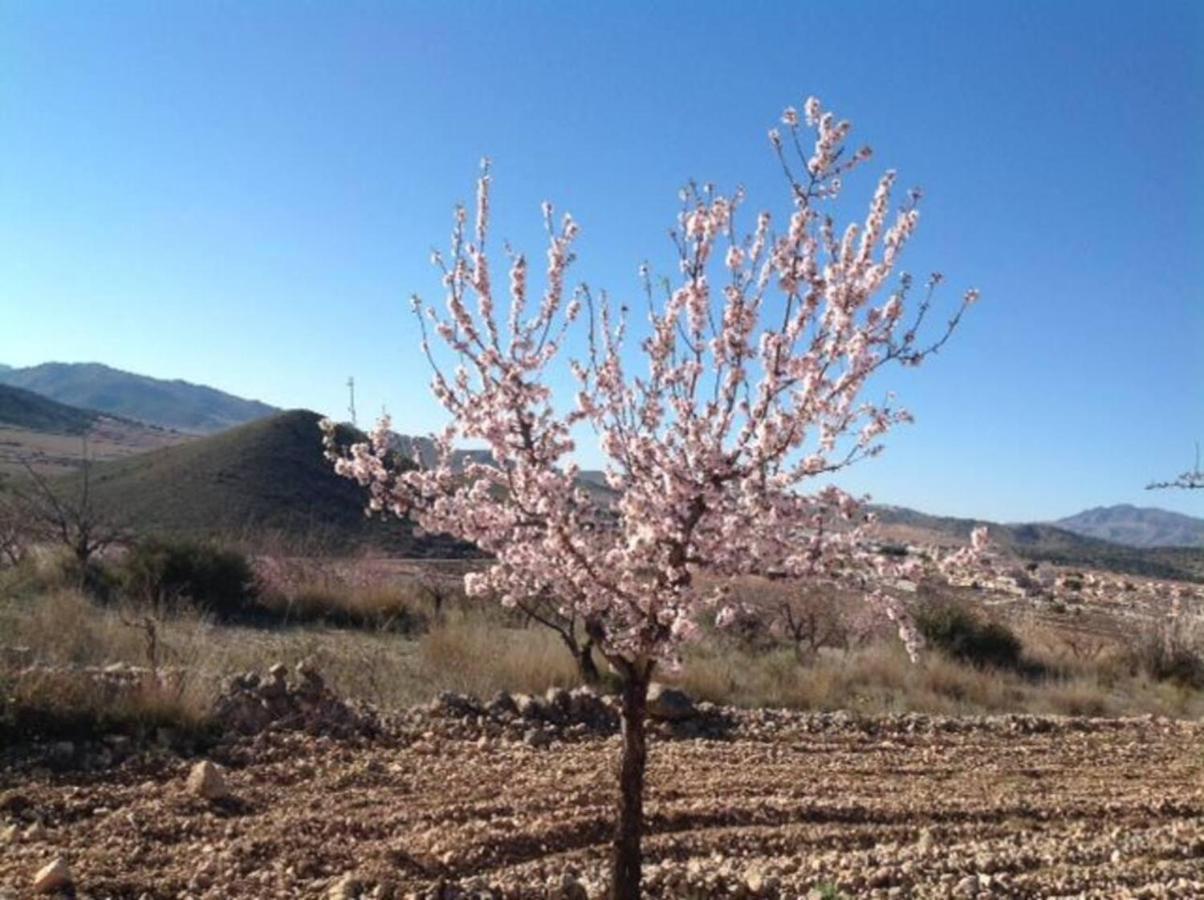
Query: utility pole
[[351, 404]]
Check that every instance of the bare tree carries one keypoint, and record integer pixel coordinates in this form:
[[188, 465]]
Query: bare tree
[[64, 511], [1193, 479], [439, 589], [809, 619], [14, 531], [568, 624]]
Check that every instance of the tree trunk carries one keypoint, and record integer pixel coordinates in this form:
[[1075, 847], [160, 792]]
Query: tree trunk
[[629, 825], [586, 667]]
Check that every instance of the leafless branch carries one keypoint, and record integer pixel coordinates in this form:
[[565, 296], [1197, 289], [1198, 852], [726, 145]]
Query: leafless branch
[[1193, 479]]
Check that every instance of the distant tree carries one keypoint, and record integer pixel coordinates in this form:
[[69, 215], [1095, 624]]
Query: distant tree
[[1193, 479], [810, 620], [752, 390], [14, 530], [63, 511]]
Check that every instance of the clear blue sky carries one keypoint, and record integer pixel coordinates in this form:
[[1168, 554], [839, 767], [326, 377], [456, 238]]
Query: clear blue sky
[[244, 195]]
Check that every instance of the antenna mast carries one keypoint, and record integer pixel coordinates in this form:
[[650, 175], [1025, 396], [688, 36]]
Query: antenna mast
[[351, 403]]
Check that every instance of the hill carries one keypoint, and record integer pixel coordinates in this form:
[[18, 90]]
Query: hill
[[52, 437], [266, 478], [24, 409], [1039, 542], [178, 405], [422, 449], [1137, 526]]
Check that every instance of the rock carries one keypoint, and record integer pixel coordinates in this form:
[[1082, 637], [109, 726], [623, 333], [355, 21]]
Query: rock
[[502, 703], [528, 707], [583, 702], [569, 888], [311, 681], [53, 877], [206, 781], [669, 704], [35, 832], [9, 835], [967, 887], [345, 888], [536, 738], [557, 699], [277, 686], [251, 706], [456, 704]]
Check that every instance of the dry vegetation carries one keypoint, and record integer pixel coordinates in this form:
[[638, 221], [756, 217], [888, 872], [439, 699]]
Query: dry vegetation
[[398, 636], [882, 799], [56, 454]]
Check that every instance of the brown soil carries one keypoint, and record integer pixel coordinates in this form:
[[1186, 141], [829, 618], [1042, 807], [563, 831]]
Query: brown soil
[[782, 806]]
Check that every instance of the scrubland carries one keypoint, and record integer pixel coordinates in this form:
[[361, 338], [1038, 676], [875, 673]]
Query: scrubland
[[396, 635], [1031, 751]]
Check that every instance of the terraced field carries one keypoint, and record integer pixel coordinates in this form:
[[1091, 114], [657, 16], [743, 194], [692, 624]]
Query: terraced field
[[780, 805]]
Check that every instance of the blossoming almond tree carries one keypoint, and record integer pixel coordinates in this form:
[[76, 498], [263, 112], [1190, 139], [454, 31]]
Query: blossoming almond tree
[[750, 386]]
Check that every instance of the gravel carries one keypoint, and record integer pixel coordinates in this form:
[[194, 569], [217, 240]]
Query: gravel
[[459, 799]]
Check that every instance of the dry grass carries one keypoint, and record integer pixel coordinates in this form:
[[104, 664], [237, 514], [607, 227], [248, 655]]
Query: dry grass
[[62, 631], [51, 704], [380, 606], [478, 650], [309, 589], [881, 679], [470, 654]]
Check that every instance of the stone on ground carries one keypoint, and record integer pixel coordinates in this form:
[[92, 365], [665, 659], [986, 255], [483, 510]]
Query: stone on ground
[[53, 877], [669, 704], [206, 781]]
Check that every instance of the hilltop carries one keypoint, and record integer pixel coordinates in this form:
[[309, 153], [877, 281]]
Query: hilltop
[[1137, 526], [24, 409], [178, 405], [265, 478]]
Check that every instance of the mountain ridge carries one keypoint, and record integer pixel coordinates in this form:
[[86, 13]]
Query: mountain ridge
[[169, 403], [1136, 526], [1045, 542]]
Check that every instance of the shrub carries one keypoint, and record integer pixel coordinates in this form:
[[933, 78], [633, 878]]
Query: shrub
[[51, 570], [1169, 651], [964, 636], [319, 589], [57, 706], [386, 607], [168, 571]]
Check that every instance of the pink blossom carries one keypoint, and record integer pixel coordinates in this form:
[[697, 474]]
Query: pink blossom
[[750, 382]]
